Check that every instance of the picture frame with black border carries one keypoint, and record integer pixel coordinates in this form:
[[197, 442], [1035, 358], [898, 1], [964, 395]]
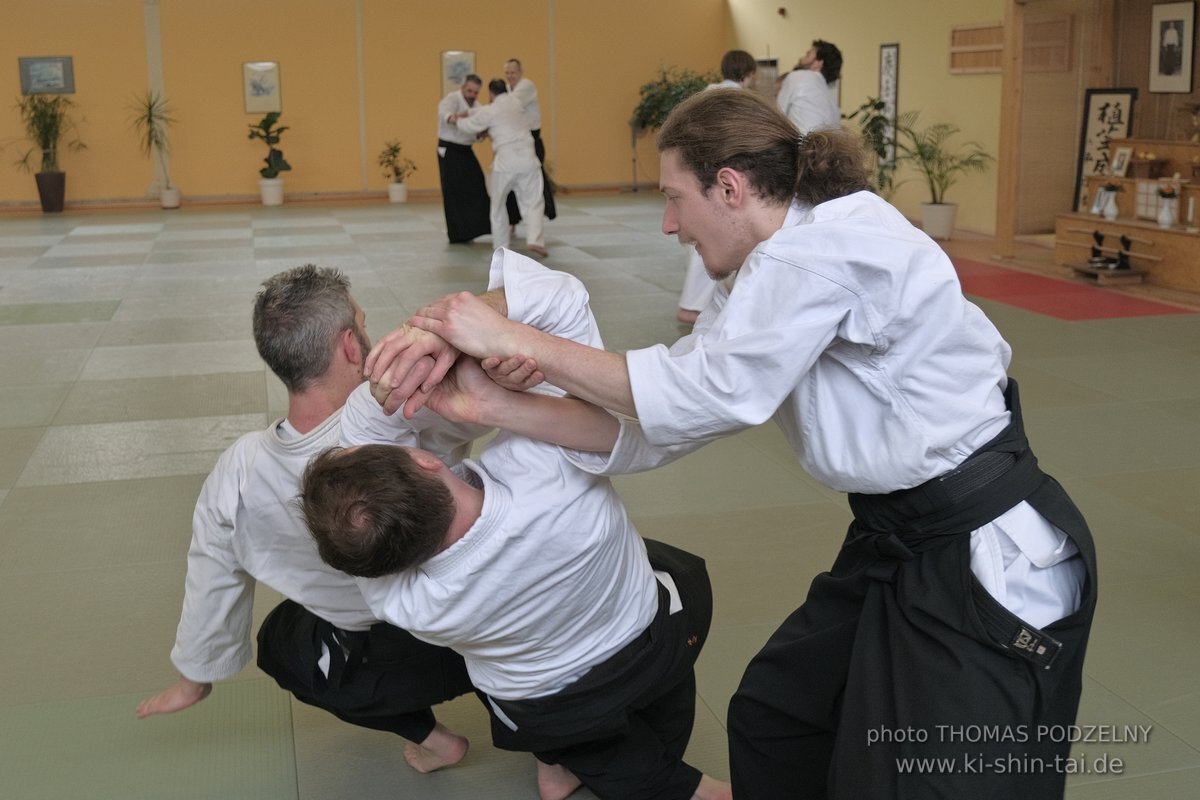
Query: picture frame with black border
[[1107, 116], [47, 74], [1172, 34]]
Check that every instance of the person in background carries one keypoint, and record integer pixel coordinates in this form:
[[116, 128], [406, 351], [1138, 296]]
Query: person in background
[[526, 92], [464, 191], [808, 95], [515, 167], [738, 69]]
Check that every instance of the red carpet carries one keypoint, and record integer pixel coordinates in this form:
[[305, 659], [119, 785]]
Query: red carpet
[[1054, 298]]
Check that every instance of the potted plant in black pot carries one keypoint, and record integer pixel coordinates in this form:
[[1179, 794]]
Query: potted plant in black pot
[[940, 165], [271, 185], [150, 115], [396, 168], [48, 126]]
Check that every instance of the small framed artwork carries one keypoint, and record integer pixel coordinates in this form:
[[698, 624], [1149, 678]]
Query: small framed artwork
[[1107, 115], [47, 75], [889, 91], [1172, 30], [456, 66], [1099, 200], [260, 87], [1120, 162]]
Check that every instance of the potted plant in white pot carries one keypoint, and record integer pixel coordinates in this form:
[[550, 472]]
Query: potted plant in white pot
[[271, 185], [940, 165], [150, 115], [396, 168], [48, 122]]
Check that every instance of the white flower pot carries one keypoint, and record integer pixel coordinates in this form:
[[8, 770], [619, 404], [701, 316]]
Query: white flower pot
[[1166, 212], [271, 190], [398, 192], [1110, 207], [169, 197], [937, 219]]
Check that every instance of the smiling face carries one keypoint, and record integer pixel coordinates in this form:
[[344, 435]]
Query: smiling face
[[705, 220], [512, 73]]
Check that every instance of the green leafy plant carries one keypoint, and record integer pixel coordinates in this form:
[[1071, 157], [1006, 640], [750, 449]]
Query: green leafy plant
[[265, 130], [878, 137], [930, 153], [1167, 192], [658, 97], [1113, 186], [47, 121], [150, 116], [395, 167]]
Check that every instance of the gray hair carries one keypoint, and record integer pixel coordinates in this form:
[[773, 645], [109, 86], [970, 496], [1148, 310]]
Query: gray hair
[[298, 315]]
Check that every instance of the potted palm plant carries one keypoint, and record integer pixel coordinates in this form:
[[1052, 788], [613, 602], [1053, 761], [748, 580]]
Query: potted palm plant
[[396, 168], [940, 165], [271, 185], [48, 123], [150, 115]]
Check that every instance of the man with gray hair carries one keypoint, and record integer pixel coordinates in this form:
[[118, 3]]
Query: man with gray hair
[[322, 643]]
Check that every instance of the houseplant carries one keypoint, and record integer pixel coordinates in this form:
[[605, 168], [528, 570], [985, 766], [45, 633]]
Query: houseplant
[[940, 164], [271, 185], [48, 126], [1168, 195], [878, 135], [150, 115], [395, 168], [658, 97]]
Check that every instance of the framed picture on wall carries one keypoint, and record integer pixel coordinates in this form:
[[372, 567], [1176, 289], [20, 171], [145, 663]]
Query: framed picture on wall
[[47, 75], [1120, 162], [456, 66], [889, 90], [1107, 115], [260, 86], [1172, 31]]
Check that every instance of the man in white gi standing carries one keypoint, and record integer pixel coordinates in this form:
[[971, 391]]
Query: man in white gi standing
[[515, 167], [964, 591], [526, 92]]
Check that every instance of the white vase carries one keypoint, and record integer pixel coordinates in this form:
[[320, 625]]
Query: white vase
[[271, 190], [1110, 206], [1166, 212], [169, 197], [937, 219], [398, 192]]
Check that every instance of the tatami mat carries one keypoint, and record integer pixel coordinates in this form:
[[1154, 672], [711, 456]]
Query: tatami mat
[[127, 365]]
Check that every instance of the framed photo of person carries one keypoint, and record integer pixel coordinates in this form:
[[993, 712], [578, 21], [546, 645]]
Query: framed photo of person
[[1120, 161], [1172, 31]]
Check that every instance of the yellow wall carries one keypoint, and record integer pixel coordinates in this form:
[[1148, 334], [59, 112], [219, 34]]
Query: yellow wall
[[588, 60], [922, 28]]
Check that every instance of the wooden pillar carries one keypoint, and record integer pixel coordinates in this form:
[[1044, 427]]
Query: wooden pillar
[[1009, 160]]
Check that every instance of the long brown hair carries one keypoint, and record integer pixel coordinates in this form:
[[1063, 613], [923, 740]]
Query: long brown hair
[[737, 129]]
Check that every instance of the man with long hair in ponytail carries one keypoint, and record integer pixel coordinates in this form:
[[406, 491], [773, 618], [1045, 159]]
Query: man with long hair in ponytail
[[948, 637]]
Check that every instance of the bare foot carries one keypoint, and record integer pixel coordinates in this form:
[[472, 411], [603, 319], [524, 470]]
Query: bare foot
[[686, 316], [538, 249], [441, 748], [712, 789], [555, 782]]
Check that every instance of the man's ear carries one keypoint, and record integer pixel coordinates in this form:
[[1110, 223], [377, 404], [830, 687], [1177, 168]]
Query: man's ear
[[732, 185], [348, 344], [426, 460]]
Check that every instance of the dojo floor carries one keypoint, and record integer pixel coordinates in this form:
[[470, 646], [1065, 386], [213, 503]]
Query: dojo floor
[[127, 366]]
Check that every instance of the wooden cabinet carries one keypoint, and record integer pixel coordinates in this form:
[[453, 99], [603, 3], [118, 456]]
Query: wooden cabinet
[[1168, 257]]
